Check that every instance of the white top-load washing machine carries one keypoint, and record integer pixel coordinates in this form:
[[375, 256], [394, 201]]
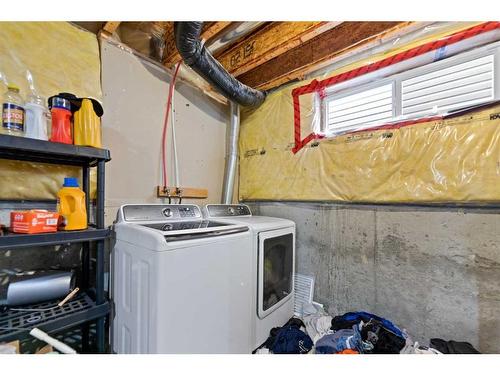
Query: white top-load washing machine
[[273, 265], [181, 284]]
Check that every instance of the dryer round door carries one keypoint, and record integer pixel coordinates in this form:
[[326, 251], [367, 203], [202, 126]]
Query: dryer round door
[[276, 269]]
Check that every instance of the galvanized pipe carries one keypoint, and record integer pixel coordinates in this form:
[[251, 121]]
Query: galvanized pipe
[[231, 153], [235, 31]]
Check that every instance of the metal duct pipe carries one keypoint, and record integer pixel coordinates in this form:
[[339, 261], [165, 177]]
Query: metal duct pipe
[[235, 31], [231, 153], [196, 55]]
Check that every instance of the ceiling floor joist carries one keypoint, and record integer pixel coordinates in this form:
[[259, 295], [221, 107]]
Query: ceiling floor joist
[[309, 56], [172, 57], [111, 26], [272, 40]]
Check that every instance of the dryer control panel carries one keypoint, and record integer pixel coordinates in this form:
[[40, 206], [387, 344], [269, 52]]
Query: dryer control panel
[[227, 210], [161, 212]]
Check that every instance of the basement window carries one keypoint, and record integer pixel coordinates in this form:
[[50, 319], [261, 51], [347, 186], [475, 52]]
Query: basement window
[[359, 110], [438, 88], [457, 86]]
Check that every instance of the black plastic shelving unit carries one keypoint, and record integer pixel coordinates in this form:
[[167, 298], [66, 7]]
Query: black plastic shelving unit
[[82, 310], [77, 311], [13, 240]]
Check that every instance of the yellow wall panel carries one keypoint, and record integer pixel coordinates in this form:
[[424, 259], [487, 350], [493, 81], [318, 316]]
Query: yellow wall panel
[[456, 159], [452, 160], [61, 58]]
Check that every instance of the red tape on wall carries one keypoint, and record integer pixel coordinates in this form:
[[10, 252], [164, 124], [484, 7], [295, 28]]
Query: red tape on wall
[[318, 86]]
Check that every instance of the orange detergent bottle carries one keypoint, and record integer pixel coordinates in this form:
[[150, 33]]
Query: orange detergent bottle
[[71, 205], [60, 109]]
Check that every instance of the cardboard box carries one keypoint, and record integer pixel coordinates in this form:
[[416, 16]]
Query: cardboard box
[[33, 221]]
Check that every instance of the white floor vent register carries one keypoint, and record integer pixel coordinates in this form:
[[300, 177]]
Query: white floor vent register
[[304, 292]]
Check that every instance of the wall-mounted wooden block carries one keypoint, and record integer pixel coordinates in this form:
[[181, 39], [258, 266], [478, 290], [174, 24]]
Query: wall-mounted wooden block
[[184, 192]]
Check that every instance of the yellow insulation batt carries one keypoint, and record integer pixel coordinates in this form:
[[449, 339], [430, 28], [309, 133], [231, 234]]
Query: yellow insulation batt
[[451, 160], [20, 180], [60, 58]]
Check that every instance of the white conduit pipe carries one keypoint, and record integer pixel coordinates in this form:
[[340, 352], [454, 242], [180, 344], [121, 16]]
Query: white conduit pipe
[[231, 153], [60, 346], [177, 182]]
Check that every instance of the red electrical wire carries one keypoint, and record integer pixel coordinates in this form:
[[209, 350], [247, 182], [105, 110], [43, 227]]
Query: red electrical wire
[[165, 123]]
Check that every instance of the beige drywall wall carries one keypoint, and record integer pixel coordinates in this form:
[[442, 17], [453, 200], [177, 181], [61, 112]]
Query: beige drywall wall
[[134, 94]]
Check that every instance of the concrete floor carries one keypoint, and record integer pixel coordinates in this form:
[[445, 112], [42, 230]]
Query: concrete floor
[[434, 272]]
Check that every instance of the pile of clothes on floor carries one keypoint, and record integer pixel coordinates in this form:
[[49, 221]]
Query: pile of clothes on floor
[[352, 333]]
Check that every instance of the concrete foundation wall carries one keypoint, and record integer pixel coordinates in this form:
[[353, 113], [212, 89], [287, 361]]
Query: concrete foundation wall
[[435, 272]]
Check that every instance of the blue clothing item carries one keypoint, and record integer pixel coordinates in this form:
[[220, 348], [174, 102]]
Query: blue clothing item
[[339, 341], [351, 318], [291, 340]]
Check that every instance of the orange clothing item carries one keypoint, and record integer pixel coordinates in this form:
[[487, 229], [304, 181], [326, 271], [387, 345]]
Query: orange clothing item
[[348, 351]]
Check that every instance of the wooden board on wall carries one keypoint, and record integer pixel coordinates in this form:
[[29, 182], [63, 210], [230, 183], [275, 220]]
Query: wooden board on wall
[[184, 192]]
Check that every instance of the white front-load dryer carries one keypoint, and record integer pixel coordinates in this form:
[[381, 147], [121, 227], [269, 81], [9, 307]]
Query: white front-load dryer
[[273, 265]]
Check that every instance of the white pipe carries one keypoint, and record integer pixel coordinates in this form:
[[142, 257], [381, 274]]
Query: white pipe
[[231, 153], [60, 346], [177, 182]]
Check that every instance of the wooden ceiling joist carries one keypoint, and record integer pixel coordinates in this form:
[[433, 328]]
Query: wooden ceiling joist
[[172, 56], [270, 41], [307, 57], [111, 26], [276, 53]]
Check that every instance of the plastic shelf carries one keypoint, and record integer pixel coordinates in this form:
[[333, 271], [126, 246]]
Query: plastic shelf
[[16, 240], [17, 324], [27, 149], [86, 310]]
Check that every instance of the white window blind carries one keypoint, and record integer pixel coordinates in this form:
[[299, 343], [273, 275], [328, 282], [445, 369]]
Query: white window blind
[[457, 86], [360, 109], [461, 81]]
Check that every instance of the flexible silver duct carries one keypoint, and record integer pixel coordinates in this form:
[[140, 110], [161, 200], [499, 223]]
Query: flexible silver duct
[[231, 153]]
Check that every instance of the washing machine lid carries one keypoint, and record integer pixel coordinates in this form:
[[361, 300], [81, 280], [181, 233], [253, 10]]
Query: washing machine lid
[[174, 222], [199, 229], [184, 225]]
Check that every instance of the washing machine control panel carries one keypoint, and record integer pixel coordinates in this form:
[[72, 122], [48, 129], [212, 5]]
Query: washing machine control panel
[[225, 210], [189, 212], [161, 212]]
